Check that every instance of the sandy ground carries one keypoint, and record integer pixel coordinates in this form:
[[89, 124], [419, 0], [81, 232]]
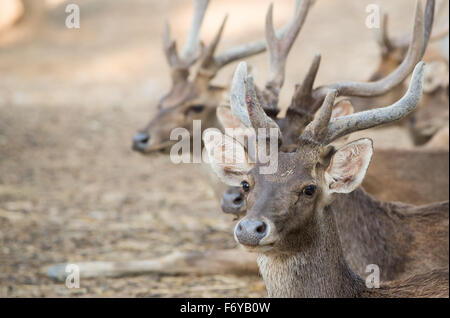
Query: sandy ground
[[72, 190]]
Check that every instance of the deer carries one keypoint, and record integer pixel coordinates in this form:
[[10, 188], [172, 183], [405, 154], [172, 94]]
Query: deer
[[192, 99], [411, 178], [308, 220], [234, 260], [401, 168], [432, 114], [192, 96]]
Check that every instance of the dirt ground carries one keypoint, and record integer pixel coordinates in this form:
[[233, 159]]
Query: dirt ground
[[72, 190]]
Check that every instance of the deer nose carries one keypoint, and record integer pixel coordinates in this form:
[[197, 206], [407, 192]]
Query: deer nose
[[250, 232], [233, 201], [140, 141]]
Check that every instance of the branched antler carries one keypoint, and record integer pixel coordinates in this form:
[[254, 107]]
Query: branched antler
[[302, 99], [245, 104], [279, 47], [324, 130], [180, 63], [388, 43], [382, 86]]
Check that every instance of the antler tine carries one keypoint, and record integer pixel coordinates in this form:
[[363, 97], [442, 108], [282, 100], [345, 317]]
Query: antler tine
[[414, 54], [179, 71], [169, 46], [238, 95], [429, 19], [189, 53], [317, 127], [342, 126], [240, 52], [279, 47], [245, 104], [212, 64], [245, 50], [302, 94], [181, 63], [403, 41], [383, 35], [208, 65]]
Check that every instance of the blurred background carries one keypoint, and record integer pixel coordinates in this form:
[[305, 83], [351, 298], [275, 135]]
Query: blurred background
[[71, 188]]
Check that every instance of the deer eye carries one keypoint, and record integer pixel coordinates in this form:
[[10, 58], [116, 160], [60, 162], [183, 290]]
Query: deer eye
[[245, 186], [309, 190], [196, 109]]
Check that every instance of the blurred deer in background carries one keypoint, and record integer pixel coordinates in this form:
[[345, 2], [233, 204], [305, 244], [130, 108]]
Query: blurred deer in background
[[298, 215], [432, 114], [403, 169], [192, 96]]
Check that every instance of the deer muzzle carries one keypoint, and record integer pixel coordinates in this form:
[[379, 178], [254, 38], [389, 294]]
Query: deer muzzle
[[233, 201], [256, 235]]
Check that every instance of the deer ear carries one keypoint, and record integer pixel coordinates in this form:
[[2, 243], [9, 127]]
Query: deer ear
[[342, 108], [348, 166], [227, 119], [226, 156], [435, 76]]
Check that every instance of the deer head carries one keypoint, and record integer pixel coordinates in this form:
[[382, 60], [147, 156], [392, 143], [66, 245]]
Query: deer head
[[285, 203], [192, 96], [306, 99]]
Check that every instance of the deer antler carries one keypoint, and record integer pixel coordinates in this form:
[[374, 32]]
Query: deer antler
[[245, 104], [180, 63], [415, 53], [211, 64], [279, 47], [302, 98], [325, 131], [388, 43]]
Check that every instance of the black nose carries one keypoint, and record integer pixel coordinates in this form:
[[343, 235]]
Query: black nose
[[250, 232], [140, 141], [233, 201]]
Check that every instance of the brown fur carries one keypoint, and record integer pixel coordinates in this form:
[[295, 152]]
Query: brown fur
[[307, 260], [409, 176], [178, 109]]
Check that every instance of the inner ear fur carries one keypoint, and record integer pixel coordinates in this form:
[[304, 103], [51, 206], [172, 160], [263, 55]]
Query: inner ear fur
[[348, 166]]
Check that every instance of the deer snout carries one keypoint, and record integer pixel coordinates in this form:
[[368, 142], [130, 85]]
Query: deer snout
[[140, 141], [250, 232], [233, 201]]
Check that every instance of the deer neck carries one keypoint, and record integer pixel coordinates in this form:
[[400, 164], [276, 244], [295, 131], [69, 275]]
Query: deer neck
[[316, 269], [371, 232]]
